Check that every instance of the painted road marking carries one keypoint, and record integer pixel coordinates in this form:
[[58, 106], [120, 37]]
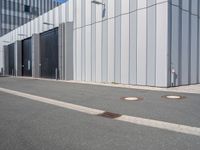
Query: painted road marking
[[130, 119], [161, 125], [54, 102]]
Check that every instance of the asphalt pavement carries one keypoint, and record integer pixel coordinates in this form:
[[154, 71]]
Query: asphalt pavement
[[30, 125]]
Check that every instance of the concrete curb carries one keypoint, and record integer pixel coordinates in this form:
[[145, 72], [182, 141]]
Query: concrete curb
[[193, 89]]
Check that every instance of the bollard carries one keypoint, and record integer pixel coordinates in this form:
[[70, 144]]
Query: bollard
[[56, 73], [173, 78], [3, 73]]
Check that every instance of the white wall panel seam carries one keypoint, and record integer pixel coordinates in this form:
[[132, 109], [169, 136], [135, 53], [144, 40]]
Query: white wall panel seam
[[83, 73], [111, 42], [180, 43], [104, 58], [133, 43], [125, 43], [93, 43], [118, 42], [198, 80], [156, 44]]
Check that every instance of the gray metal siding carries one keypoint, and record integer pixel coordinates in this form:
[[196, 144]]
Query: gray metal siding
[[118, 41], [194, 56], [104, 57], [151, 45], [133, 48], [129, 46], [185, 41], [126, 45], [93, 39], [184, 47], [175, 41]]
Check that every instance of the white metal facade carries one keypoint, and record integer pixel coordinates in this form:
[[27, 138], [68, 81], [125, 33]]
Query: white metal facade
[[184, 39], [128, 46], [138, 42]]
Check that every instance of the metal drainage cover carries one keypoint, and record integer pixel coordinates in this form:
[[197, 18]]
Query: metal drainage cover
[[178, 97], [109, 115], [131, 98]]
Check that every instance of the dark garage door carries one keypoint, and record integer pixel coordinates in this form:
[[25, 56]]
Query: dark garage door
[[11, 60], [26, 57], [49, 53]]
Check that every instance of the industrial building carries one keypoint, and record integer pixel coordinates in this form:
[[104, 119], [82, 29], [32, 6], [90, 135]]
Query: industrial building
[[14, 13], [136, 42]]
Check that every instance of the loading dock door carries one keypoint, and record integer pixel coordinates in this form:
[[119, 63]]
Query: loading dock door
[[26, 57], [49, 54], [11, 59]]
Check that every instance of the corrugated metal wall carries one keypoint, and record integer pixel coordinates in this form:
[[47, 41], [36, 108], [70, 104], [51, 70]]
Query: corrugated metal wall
[[129, 45], [55, 16], [185, 48]]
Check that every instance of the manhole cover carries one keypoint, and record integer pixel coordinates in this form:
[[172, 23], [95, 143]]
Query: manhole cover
[[131, 98], [178, 97], [109, 115]]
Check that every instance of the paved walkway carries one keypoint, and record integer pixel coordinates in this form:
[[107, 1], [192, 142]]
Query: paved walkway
[[181, 89]]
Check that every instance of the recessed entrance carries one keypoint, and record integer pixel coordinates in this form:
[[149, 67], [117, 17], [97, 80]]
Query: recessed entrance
[[11, 59], [49, 54], [26, 57]]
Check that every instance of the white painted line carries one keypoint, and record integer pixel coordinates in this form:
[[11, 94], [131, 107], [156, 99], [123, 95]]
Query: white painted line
[[130, 119], [54, 102], [161, 125]]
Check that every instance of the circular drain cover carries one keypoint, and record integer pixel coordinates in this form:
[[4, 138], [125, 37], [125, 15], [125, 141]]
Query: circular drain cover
[[131, 98], [173, 97]]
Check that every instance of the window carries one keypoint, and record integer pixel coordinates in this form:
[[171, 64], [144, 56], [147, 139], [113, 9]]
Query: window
[[27, 9]]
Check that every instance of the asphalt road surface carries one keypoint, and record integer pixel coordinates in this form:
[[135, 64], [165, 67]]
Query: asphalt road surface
[[26, 124]]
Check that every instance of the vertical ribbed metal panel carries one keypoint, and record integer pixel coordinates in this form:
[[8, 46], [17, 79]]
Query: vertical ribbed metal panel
[[175, 41], [93, 42], [83, 32], [128, 46], [1, 17], [125, 42], [104, 58], [133, 43], [151, 44], [88, 42], [199, 43], [185, 48], [98, 43], [185, 41], [111, 39], [194, 42], [141, 42], [118, 41], [162, 45]]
